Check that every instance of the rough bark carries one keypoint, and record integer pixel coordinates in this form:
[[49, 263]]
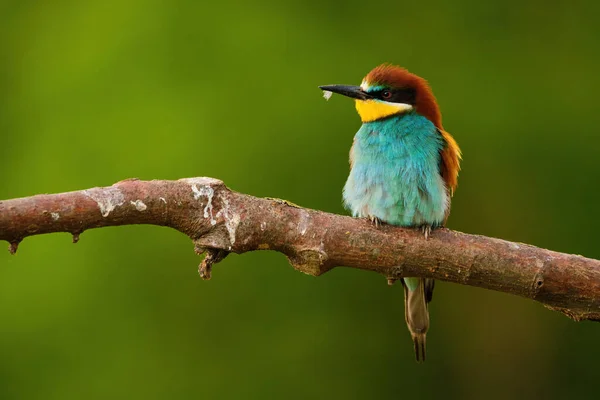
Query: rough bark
[[220, 221]]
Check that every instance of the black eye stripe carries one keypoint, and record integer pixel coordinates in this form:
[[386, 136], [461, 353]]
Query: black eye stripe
[[407, 96]]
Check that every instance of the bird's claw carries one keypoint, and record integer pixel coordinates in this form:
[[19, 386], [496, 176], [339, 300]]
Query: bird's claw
[[375, 221], [426, 229]]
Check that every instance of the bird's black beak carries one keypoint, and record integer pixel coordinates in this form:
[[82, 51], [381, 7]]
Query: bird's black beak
[[349, 91]]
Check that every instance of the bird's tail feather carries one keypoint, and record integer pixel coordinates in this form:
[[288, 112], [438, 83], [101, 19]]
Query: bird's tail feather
[[417, 293]]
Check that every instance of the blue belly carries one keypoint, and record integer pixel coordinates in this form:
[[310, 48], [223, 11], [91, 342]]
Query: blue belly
[[395, 173]]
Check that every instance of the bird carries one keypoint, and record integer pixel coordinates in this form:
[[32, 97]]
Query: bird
[[403, 169]]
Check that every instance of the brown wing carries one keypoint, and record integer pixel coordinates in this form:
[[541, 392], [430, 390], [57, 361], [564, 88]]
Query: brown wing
[[449, 165]]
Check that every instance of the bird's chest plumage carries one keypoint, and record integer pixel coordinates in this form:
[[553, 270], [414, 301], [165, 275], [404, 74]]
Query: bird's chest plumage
[[395, 173]]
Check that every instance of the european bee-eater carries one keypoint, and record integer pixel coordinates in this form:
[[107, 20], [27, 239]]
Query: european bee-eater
[[403, 168]]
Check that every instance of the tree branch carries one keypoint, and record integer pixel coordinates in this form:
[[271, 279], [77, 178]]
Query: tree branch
[[221, 221]]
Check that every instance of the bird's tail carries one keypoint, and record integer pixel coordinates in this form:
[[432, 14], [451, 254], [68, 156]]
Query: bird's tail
[[417, 294]]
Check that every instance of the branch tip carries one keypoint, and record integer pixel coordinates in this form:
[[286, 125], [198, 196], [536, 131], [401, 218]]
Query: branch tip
[[205, 269], [75, 237], [13, 247]]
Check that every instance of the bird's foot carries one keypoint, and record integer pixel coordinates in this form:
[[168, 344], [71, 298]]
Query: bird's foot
[[426, 229], [375, 221]]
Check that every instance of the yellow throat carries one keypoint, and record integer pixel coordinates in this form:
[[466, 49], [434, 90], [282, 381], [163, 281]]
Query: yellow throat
[[372, 110]]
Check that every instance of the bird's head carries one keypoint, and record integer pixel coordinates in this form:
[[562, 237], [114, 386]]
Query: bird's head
[[390, 90]]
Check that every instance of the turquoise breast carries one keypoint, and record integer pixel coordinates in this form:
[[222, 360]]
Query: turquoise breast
[[395, 174]]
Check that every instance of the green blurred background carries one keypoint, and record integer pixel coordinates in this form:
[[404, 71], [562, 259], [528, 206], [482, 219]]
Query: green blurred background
[[95, 92]]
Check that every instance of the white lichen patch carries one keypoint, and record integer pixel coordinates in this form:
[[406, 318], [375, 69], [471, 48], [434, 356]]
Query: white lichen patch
[[327, 94], [208, 192], [107, 198], [303, 223], [231, 220], [197, 193], [139, 205], [55, 216], [202, 187]]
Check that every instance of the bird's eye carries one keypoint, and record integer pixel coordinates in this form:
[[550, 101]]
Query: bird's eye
[[386, 94]]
